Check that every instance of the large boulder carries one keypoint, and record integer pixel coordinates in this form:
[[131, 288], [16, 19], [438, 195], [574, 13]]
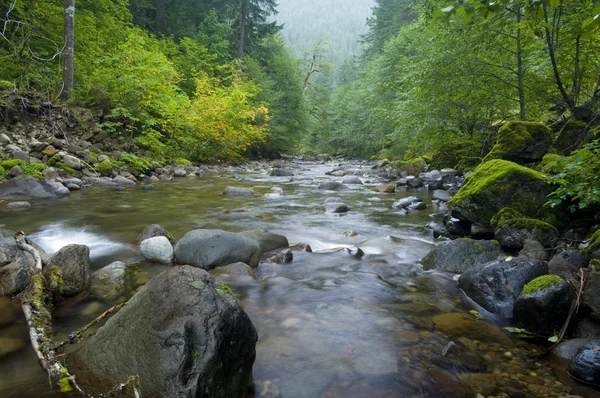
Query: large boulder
[[496, 285], [522, 142], [497, 184], [585, 365], [267, 240], [513, 229], [544, 305], [74, 264], [157, 249], [591, 292], [31, 188], [461, 254], [182, 334], [572, 135], [210, 248]]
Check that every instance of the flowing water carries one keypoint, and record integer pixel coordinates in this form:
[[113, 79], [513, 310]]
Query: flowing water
[[331, 323]]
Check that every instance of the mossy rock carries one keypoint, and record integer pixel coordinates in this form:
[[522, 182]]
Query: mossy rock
[[468, 163], [497, 184], [9, 164], [452, 152], [550, 163], [105, 166], [521, 142], [594, 243], [540, 283], [413, 167], [66, 168], [571, 137], [512, 229]]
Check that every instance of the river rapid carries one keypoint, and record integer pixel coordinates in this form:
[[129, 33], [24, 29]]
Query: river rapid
[[331, 323]]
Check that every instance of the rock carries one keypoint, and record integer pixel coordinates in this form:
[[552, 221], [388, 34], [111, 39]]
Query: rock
[[284, 256], [406, 202], [437, 229], [108, 283], [566, 350], [31, 188], [591, 292], [574, 257], [182, 334], [496, 285], [208, 249], [460, 359], [120, 180], [442, 195], [180, 172], [332, 186], [415, 182], [148, 187], [571, 137], [72, 162], [431, 176], [456, 324], [153, 230], [479, 231], [277, 172], [353, 180], [15, 171], [235, 269], [50, 173], [585, 365], [157, 249], [386, 188], [74, 263], [73, 187], [21, 155], [534, 249], [497, 184], [458, 227], [18, 205], [266, 240], [336, 208], [4, 140], [521, 142], [512, 234], [544, 305], [237, 191], [417, 206], [461, 254]]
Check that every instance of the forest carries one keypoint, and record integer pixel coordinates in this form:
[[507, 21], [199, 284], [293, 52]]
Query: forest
[[213, 81]]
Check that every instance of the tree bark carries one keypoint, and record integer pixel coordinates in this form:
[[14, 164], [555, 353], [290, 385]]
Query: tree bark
[[520, 72], [160, 16], [243, 22], [561, 88], [69, 37]]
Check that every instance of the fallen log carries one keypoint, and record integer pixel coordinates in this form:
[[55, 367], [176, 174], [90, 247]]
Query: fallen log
[[34, 303]]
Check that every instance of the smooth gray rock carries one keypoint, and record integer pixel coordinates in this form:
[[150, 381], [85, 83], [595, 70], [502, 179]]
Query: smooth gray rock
[[103, 182], [332, 186], [108, 283], [206, 248], [182, 334], [461, 254], [180, 172], [74, 262], [496, 285], [4, 140], [157, 249], [238, 191], [15, 171], [277, 172], [18, 205], [336, 208], [353, 180], [267, 240], [235, 269], [534, 249], [514, 237], [405, 202], [591, 293], [442, 195], [123, 181], [31, 188], [153, 230], [21, 155], [72, 161]]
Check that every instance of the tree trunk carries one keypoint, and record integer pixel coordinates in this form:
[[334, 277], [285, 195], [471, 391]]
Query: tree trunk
[[160, 16], [243, 22], [69, 33], [561, 88], [577, 72], [520, 72]]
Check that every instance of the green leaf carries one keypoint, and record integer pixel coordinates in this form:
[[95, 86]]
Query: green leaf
[[220, 292], [553, 339], [476, 314], [520, 332], [554, 3], [596, 9], [198, 284]]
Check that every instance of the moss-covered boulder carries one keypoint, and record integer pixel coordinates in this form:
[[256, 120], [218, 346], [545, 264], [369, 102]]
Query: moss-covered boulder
[[522, 142], [594, 245], [461, 254], [512, 229], [572, 135], [544, 305], [497, 184], [591, 292]]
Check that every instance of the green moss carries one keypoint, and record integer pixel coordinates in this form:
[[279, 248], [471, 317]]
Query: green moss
[[595, 264], [53, 160], [54, 278], [468, 163], [413, 166], [49, 153], [9, 164], [504, 215], [66, 168], [540, 283], [3, 173], [508, 216], [183, 162], [514, 136], [452, 151], [550, 163], [594, 242], [486, 176], [105, 165]]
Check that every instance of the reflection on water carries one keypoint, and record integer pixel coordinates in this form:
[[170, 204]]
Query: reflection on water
[[331, 323]]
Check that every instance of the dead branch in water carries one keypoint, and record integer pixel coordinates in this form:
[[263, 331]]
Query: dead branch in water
[[39, 323]]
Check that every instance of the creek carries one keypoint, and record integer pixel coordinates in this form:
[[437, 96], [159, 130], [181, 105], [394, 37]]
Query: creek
[[330, 323]]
